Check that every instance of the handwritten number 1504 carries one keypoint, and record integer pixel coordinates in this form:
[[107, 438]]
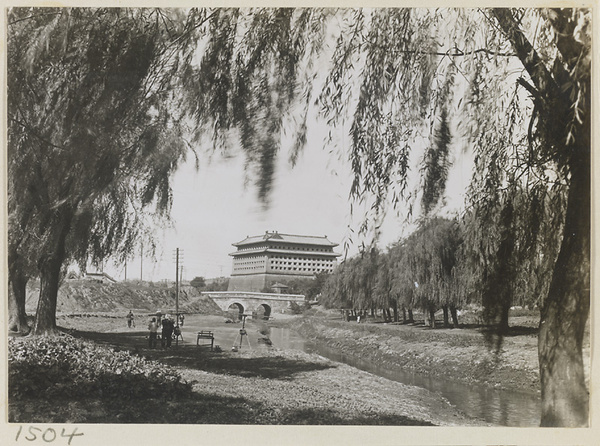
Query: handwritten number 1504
[[47, 435]]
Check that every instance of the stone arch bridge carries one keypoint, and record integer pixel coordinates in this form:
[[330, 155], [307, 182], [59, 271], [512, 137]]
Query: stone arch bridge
[[245, 302]]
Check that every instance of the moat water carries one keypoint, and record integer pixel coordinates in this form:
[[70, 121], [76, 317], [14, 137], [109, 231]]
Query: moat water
[[500, 407]]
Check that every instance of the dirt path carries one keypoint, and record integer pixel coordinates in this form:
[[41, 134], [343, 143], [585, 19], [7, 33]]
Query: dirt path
[[263, 385]]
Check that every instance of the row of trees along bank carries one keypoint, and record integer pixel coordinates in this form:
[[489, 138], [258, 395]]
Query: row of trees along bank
[[443, 266], [104, 103]]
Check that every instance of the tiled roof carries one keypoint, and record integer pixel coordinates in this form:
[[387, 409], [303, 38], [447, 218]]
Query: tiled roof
[[284, 251], [279, 285], [288, 238], [99, 275]]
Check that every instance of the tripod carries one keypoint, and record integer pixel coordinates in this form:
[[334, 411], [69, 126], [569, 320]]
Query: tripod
[[177, 334], [239, 339]]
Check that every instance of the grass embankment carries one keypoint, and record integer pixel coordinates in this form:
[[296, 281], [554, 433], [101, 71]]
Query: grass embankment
[[456, 354], [190, 384]]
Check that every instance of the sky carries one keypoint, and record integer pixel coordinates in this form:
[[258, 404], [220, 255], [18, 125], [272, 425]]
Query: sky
[[213, 208]]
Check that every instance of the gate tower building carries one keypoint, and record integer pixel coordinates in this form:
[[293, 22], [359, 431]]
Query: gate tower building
[[273, 258]]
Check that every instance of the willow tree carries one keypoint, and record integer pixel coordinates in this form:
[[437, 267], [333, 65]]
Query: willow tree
[[89, 141], [426, 265], [509, 252], [560, 136], [402, 280], [94, 91], [384, 286], [104, 103], [523, 104]]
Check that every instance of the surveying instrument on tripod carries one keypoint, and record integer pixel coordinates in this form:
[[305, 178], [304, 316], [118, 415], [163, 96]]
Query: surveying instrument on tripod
[[239, 339]]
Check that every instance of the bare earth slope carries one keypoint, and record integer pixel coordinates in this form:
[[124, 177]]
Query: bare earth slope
[[80, 296]]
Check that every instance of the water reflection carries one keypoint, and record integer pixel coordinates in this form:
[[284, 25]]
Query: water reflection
[[501, 407]]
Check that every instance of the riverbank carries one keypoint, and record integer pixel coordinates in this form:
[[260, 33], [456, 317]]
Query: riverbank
[[255, 385], [455, 354]]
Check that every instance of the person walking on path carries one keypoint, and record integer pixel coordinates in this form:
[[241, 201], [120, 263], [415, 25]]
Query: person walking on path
[[130, 321], [153, 327]]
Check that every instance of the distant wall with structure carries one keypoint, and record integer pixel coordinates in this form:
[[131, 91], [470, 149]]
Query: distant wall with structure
[[260, 282]]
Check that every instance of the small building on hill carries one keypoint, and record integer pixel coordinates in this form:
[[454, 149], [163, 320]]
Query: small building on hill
[[265, 260], [99, 277], [279, 288]]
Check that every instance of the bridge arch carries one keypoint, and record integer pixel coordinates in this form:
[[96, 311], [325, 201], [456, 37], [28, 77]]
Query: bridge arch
[[236, 308], [263, 311]]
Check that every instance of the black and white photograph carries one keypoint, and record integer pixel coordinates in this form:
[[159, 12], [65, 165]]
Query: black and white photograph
[[347, 221]]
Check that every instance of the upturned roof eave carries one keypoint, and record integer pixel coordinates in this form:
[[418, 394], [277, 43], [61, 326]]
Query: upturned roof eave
[[283, 251], [282, 238], [291, 242]]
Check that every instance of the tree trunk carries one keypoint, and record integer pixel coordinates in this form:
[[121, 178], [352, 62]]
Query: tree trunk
[[395, 307], [45, 318], [432, 317], [50, 266], [411, 319], [454, 314], [445, 310], [565, 398], [17, 319], [498, 291], [17, 295], [503, 324]]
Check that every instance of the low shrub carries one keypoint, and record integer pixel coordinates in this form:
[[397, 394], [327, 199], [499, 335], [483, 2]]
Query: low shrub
[[64, 367], [295, 308]]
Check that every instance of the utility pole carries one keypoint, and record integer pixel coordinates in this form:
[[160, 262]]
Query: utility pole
[[178, 257], [177, 286], [141, 261], [125, 269]]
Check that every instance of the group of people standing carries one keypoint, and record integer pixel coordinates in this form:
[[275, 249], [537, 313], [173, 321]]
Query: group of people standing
[[165, 323], [168, 327]]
